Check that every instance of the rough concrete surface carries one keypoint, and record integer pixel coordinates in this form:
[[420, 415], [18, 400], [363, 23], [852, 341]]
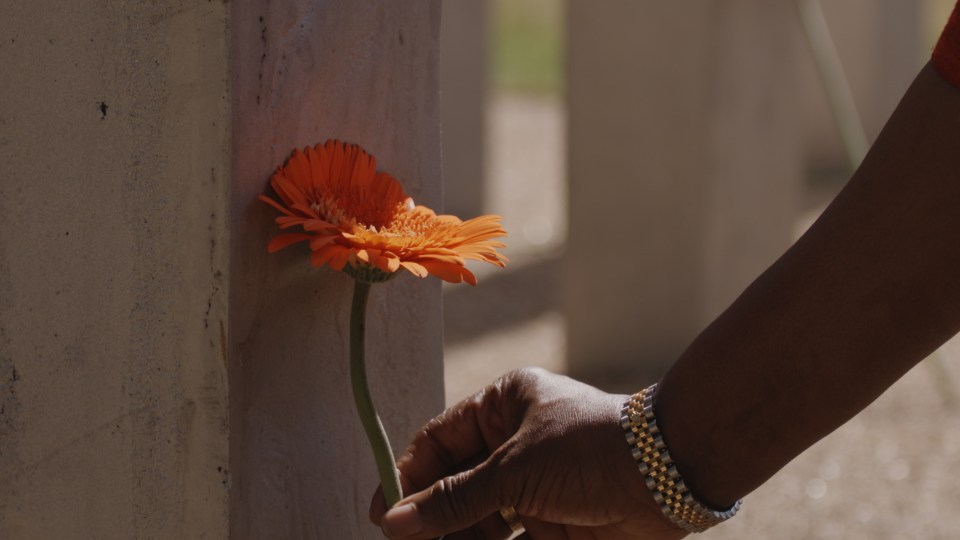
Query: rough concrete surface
[[114, 164], [135, 283]]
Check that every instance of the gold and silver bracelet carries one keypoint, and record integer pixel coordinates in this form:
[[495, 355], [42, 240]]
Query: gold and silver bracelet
[[661, 476]]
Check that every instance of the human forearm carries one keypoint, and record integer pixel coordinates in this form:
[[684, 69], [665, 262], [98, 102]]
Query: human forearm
[[869, 291]]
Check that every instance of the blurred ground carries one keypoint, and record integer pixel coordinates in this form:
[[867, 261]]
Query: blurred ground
[[511, 318], [886, 474]]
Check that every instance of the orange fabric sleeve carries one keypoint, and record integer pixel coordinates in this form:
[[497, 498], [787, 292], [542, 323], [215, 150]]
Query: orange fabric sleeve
[[946, 55]]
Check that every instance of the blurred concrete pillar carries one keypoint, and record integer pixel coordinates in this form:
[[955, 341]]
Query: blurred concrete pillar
[[463, 100], [161, 376], [879, 45], [684, 170], [715, 116]]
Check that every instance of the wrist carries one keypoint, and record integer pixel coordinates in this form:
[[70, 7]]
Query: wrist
[[703, 448], [661, 475]]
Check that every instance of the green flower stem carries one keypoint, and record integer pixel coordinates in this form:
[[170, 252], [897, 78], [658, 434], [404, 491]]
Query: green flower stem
[[382, 453]]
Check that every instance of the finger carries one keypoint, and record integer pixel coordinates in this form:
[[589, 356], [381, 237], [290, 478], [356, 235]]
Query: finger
[[542, 530], [492, 527], [469, 429], [378, 504], [451, 504]]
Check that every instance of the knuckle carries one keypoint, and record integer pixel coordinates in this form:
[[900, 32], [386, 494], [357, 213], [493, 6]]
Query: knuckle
[[527, 374], [508, 466], [518, 382], [451, 506]]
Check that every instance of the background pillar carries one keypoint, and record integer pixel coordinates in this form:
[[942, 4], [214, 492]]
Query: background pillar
[[463, 100], [698, 135], [682, 168]]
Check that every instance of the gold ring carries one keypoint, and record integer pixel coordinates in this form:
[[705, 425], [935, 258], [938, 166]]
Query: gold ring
[[509, 514]]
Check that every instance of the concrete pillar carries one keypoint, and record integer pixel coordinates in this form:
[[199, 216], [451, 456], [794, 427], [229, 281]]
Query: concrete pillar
[[683, 170], [303, 72], [879, 45], [694, 131], [463, 100], [115, 158], [161, 376]]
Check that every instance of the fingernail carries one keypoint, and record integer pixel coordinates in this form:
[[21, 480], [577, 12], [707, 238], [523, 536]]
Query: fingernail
[[402, 520]]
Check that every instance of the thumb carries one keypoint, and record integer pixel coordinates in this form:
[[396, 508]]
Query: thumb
[[450, 504]]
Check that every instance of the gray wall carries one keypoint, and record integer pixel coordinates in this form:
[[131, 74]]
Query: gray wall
[[115, 157]]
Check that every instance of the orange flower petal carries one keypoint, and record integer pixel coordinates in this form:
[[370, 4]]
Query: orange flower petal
[[285, 222], [297, 171], [317, 242], [274, 204], [388, 262], [363, 255], [323, 254], [316, 169], [451, 259], [318, 225], [338, 261], [285, 240], [287, 190], [450, 272], [335, 152], [392, 263], [492, 259], [304, 210], [416, 269]]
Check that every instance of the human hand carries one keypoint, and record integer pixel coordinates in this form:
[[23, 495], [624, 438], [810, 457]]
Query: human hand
[[547, 445]]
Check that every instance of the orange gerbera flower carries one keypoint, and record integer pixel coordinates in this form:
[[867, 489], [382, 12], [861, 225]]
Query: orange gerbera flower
[[357, 218]]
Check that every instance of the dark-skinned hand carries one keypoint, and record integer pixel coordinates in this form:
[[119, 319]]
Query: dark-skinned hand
[[547, 445]]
